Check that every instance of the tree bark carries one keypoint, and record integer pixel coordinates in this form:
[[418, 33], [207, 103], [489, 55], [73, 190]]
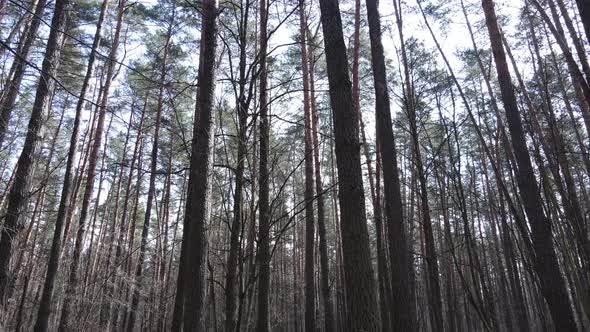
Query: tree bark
[[584, 10], [65, 319], [309, 270], [402, 314], [545, 263], [359, 282], [262, 321], [44, 312], [19, 192], [17, 70], [192, 283]]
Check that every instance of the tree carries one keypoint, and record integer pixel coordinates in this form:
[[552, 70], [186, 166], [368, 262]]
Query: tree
[[584, 9], [310, 308], [361, 303], [153, 170], [262, 321], [191, 282], [65, 317], [545, 264], [19, 192], [402, 313], [56, 244], [130, 222], [17, 71]]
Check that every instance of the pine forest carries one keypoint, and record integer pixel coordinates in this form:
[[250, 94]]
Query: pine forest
[[295, 165]]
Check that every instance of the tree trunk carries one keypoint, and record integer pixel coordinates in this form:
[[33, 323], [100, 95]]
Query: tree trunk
[[44, 312], [402, 317], [65, 319], [545, 264], [323, 245], [309, 271], [24, 168], [152, 183], [192, 283], [359, 282], [233, 260], [584, 10], [17, 70], [262, 321]]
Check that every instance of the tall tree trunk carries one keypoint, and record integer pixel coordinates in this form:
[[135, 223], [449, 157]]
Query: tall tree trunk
[[576, 74], [262, 321], [545, 264], [582, 56], [112, 236], [233, 260], [153, 174], [44, 312], [359, 282], [65, 319], [320, 199], [17, 198], [385, 302], [402, 314], [309, 271], [192, 283], [17, 70]]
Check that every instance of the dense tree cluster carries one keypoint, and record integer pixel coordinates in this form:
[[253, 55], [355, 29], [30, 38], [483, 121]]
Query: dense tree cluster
[[272, 165]]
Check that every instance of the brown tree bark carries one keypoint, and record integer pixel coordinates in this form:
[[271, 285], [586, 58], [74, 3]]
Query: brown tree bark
[[42, 322], [309, 270], [17, 70], [19, 192], [262, 320], [191, 282], [65, 319], [359, 282], [402, 313], [545, 264]]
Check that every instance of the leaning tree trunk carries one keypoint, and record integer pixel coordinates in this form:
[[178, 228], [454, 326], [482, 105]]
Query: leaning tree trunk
[[65, 319], [17, 70], [54, 261], [545, 262], [17, 198]]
